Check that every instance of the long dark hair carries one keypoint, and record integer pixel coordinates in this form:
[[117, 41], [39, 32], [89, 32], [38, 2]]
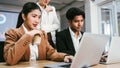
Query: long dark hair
[[28, 7]]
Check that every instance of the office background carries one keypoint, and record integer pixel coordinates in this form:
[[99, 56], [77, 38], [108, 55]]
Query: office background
[[102, 16]]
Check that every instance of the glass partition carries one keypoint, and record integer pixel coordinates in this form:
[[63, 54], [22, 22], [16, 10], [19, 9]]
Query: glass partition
[[118, 14]]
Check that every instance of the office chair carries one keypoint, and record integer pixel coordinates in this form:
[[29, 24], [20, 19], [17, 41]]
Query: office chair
[[2, 51]]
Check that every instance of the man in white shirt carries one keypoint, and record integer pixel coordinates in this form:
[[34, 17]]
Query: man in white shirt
[[49, 22], [68, 40]]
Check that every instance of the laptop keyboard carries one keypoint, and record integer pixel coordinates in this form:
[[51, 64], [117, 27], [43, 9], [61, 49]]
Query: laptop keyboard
[[66, 65]]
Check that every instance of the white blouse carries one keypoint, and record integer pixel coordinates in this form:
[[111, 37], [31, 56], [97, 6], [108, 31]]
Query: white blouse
[[33, 48], [49, 21]]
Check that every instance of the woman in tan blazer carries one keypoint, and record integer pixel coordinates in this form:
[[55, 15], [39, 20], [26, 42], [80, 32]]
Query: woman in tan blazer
[[19, 42]]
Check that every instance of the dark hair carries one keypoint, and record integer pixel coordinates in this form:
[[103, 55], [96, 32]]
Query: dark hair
[[28, 7], [74, 11]]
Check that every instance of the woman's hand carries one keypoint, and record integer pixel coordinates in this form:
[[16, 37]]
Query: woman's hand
[[34, 32], [49, 9], [68, 58]]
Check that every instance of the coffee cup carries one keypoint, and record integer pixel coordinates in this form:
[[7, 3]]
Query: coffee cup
[[36, 39]]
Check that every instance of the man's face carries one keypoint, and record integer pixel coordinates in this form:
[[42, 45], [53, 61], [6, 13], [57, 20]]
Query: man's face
[[77, 23]]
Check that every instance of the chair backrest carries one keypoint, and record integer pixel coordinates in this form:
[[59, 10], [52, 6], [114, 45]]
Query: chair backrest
[[2, 51]]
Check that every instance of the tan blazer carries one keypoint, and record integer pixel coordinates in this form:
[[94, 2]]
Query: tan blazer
[[17, 47]]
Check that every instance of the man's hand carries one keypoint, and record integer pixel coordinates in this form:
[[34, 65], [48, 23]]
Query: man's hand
[[104, 57], [68, 58]]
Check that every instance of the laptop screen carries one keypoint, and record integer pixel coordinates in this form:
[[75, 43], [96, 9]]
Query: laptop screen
[[90, 50]]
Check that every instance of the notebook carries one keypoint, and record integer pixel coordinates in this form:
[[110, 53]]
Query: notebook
[[89, 53], [114, 51]]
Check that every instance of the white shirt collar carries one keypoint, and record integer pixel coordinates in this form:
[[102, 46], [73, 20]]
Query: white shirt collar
[[41, 7], [73, 34], [25, 29]]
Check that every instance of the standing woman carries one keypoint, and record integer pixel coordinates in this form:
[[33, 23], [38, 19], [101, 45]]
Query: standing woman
[[49, 20], [19, 42]]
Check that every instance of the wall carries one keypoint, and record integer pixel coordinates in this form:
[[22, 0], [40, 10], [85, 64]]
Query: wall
[[6, 7], [91, 17]]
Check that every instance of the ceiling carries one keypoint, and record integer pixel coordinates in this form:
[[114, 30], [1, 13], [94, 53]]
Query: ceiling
[[59, 4]]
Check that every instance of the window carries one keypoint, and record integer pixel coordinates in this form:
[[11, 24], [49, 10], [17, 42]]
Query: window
[[118, 14], [7, 20]]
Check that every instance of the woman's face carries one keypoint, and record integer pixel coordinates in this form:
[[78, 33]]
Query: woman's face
[[44, 2], [32, 19]]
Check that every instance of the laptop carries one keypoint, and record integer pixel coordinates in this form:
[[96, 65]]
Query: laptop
[[89, 53], [114, 51]]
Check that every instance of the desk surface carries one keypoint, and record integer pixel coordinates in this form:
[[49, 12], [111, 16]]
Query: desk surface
[[37, 64], [42, 63]]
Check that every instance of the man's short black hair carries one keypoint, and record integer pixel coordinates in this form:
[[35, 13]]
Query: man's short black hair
[[74, 11]]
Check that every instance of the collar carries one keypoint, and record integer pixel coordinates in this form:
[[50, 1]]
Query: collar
[[40, 6], [73, 34], [24, 28]]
